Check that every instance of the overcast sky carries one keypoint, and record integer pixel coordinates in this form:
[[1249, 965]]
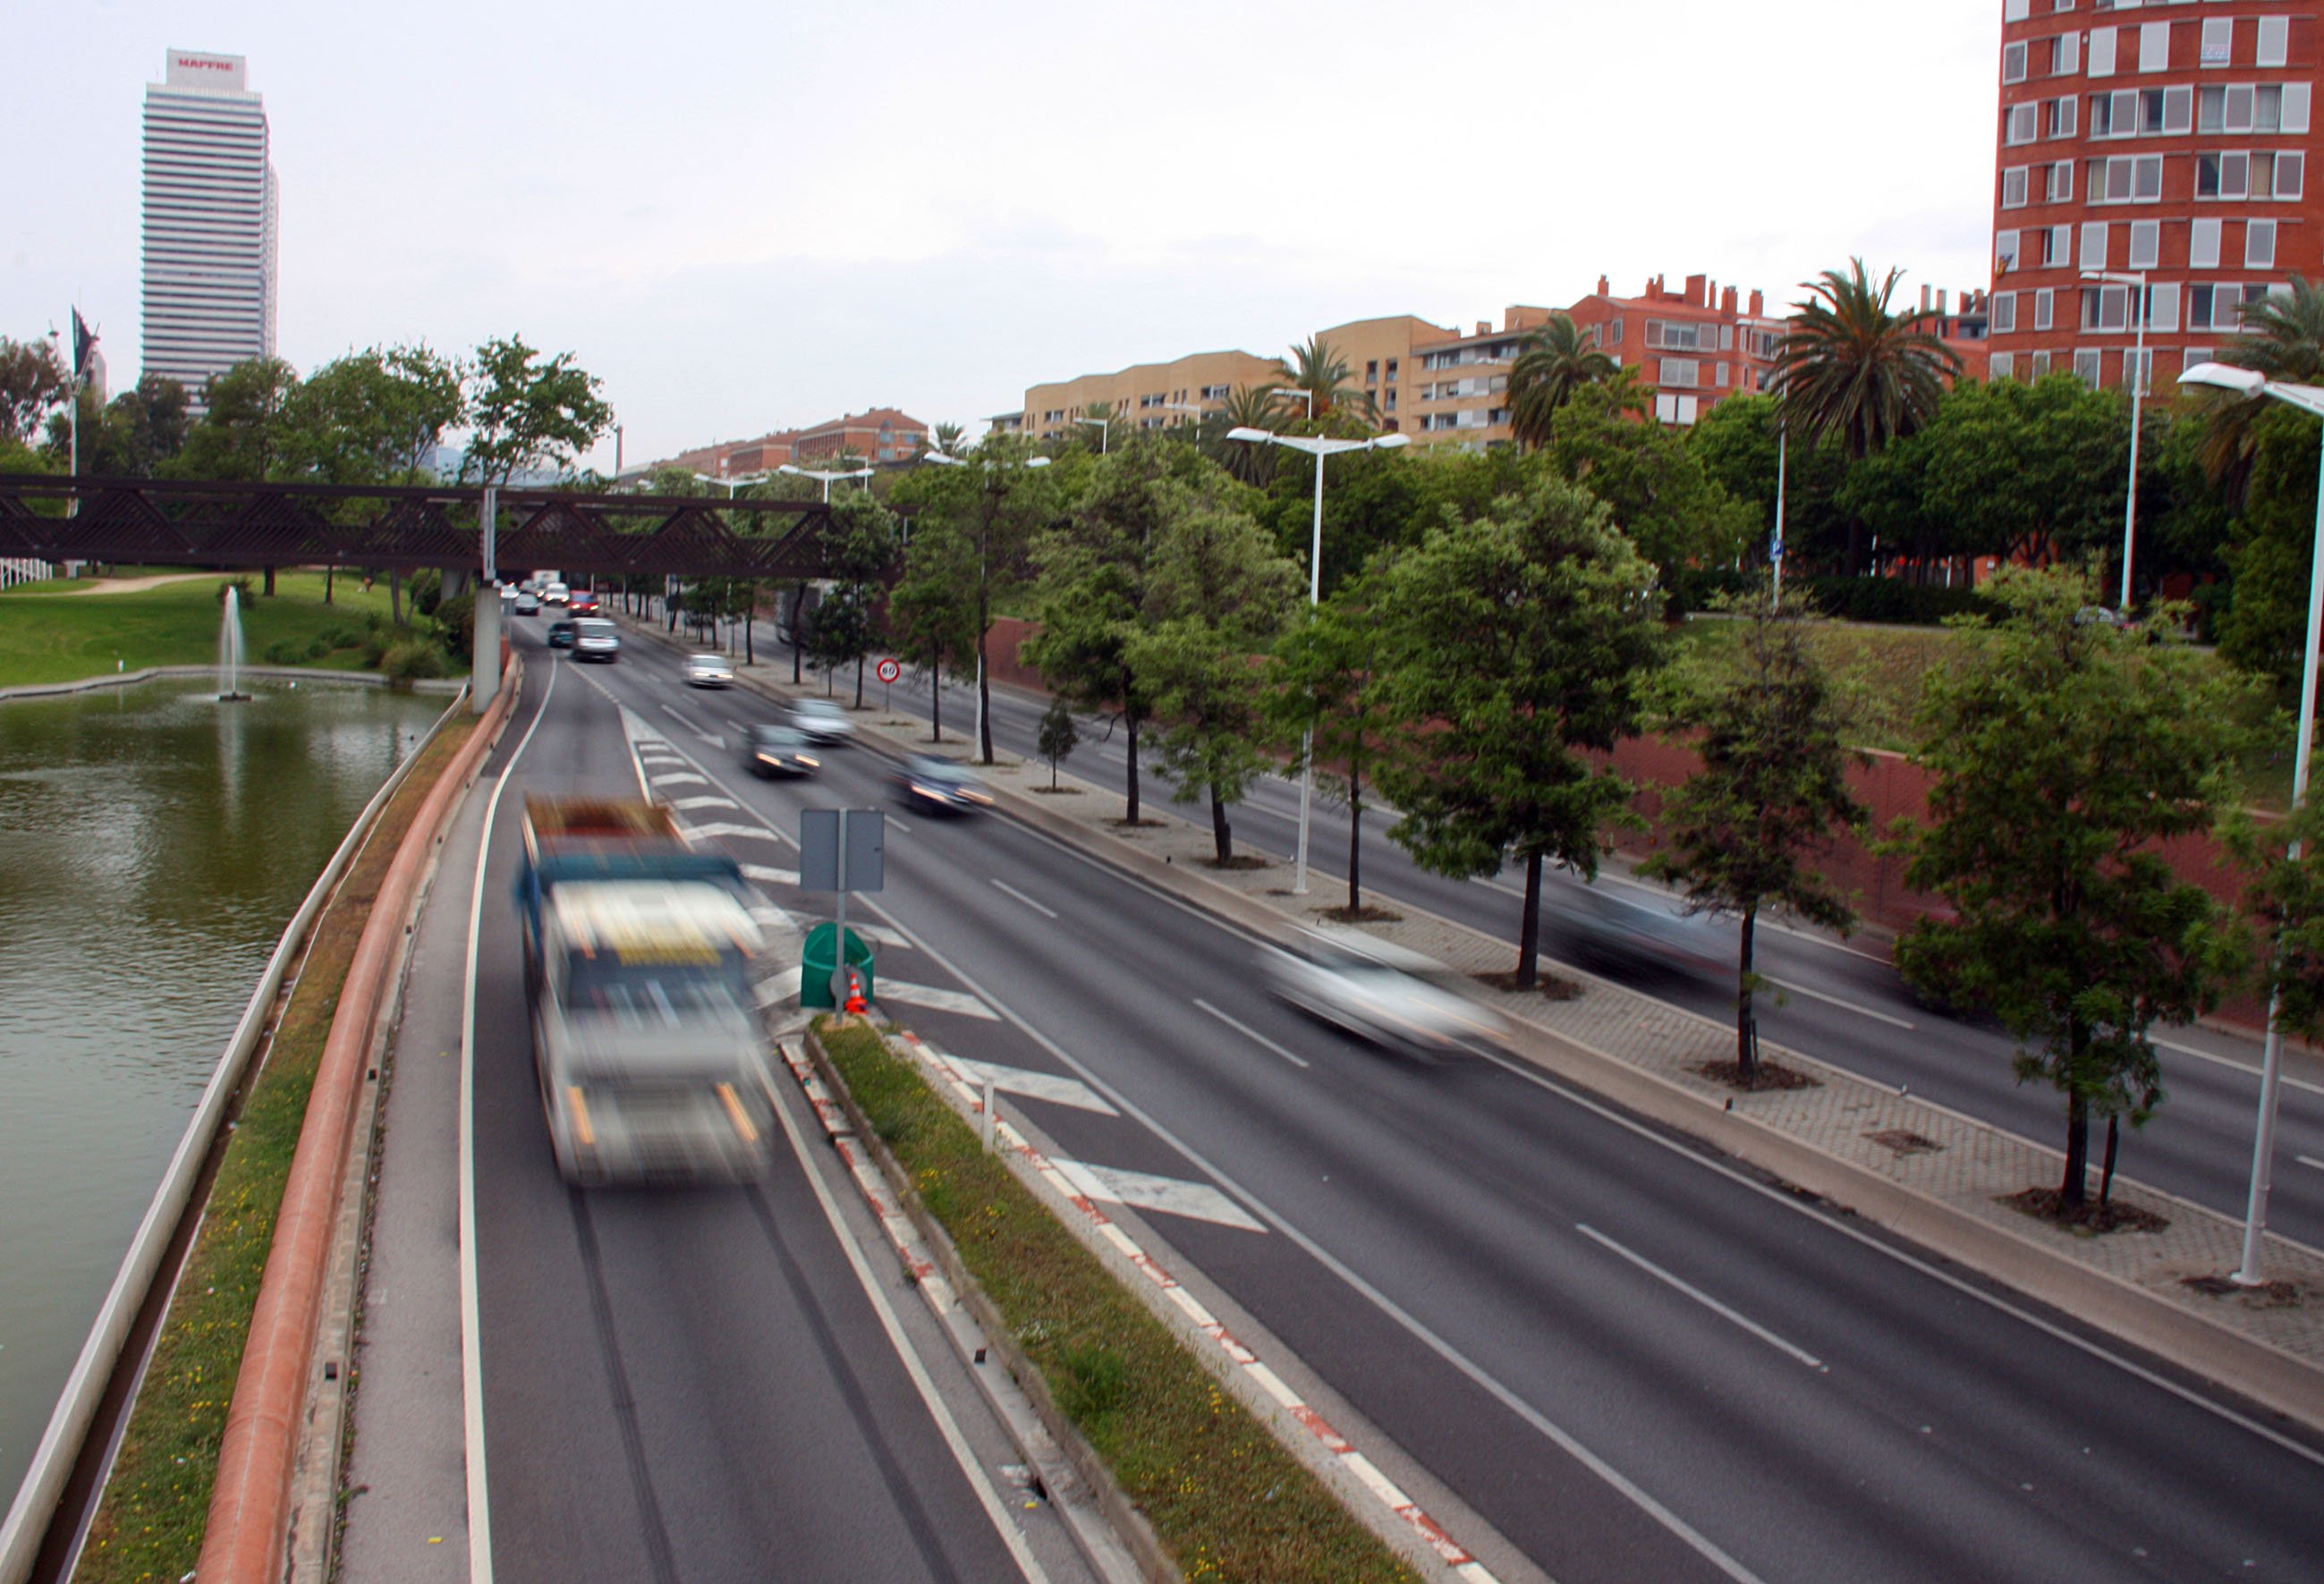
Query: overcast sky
[[750, 216]]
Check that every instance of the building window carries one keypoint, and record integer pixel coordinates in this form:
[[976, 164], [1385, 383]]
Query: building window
[[2105, 307], [2145, 243], [2012, 62], [1720, 380], [1676, 410], [2005, 312], [2290, 169], [2139, 367], [2101, 52], [2162, 305], [2203, 244], [2219, 40], [2154, 46], [2275, 37], [2065, 54], [2060, 118], [2057, 246], [1679, 371], [2040, 362], [2195, 355], [2222, 176], [2201, 299], [2015, 10], [2259, 244], [2003, 364], [2094, 245], [2087, 366], [2059, 188], [2018, 124], [2045, 303], [1391, 364], [1674, 335], [2013, 187]]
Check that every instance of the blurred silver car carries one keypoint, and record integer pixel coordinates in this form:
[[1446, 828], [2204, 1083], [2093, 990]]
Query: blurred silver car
[[822, 721], [709, 671], [1383, 993], [1639, 923]]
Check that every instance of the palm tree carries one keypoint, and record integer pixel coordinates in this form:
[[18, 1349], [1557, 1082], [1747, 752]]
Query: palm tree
[[1854, 371], [1559, 359], [1249, 407], [945, 437], [2281, 338], [1315, 368]]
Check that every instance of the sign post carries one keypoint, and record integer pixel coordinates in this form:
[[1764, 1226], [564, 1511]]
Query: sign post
[[842, 850], [888, 671]]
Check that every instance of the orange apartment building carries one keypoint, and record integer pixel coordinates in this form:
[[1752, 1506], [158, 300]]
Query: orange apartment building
[[882, 434], [2151, 168]]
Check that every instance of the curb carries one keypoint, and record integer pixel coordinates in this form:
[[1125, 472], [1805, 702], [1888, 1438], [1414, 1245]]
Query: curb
[[243, 1540], [446, 685]]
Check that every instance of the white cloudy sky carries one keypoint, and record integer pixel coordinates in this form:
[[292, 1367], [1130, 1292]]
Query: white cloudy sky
[[745, 217]]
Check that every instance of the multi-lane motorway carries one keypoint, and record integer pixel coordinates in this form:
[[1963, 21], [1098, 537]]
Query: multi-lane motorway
[[1593, 1351]]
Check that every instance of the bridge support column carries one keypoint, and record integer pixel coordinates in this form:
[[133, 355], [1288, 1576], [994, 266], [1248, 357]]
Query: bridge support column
[[485, 668]]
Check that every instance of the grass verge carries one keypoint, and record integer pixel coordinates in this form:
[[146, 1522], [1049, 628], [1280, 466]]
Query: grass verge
[[1227, 1500], [149, 1525], [48, 634]]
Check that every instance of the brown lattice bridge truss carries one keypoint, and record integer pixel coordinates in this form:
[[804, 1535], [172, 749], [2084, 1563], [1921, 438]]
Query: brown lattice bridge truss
[[177, 522]]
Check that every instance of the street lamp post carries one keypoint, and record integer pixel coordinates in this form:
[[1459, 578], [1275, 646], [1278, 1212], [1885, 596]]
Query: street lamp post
[[1318, 448], [826, 478], [1105, 433], [2308, 399], [1287, 392], [2136, 281]]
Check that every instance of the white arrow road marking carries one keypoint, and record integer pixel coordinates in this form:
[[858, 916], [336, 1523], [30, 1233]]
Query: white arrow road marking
[[1169, 1195], [680, 779], [706, 800], [772, 877], [930, 997], [781, 985], [1048, 1086], [715, 829]]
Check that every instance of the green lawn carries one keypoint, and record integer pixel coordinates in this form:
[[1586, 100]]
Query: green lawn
[[48, 635]]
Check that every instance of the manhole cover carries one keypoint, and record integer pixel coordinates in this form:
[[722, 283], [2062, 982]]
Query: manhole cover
[[1905, 1141]]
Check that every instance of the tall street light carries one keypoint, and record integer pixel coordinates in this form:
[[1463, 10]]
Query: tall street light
[[2308, 399], [1318, 448], [1287, 391], [826, 478], [2136, 281], [1104, 434]]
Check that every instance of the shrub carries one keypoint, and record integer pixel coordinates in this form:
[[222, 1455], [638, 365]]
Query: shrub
[[282, 652], [319, 648], [455, 624], [411, 659], [241, 586]]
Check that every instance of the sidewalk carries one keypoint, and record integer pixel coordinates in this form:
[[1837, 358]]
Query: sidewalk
[[1925, 1172]]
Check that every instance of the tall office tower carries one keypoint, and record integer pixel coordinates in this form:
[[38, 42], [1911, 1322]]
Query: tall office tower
[[2153, 163], [211, 219]]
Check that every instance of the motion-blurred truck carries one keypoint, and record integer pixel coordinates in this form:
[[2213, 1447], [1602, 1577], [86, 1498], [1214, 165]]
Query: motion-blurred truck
[[638, 956]]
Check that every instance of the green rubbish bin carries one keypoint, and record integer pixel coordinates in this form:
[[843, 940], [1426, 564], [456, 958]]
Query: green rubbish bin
[[820, 956]]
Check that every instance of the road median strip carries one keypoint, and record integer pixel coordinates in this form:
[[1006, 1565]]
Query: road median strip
[[1104, 1360]]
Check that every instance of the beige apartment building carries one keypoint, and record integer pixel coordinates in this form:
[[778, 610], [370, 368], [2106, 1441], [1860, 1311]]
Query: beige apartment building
[[1147, 396]]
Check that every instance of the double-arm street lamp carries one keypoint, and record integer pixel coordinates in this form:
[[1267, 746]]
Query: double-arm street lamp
[[2135, 377], [1319, 447], [2308, 399], [826, 478], [1104, 434]]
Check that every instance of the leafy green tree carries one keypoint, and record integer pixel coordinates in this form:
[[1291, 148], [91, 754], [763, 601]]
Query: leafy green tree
[[1316, 367], [1247, 407], [372, 417], [1772, 792], [526, 413], [33, 384], [2266, 618], [1220, 596], [859, 550], [244, 431], [2064, 754], [932, 610], [1328, 689], [1059, 737], [1673, 511], [1514, 644], [1558, 359], [2282, 337], [137, 434], [1853, 370], [2287, 901]]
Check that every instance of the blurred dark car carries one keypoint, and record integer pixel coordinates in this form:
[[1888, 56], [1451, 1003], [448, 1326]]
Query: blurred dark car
[[940, 785], [778, 750], [560, 635], [528, 603]]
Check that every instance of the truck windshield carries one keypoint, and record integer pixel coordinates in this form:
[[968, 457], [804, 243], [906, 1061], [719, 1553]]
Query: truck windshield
[[665, 993]]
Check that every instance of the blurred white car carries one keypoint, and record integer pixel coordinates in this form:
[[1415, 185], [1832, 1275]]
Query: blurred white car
[[822, 721], [554, 594], [1383, 993], [709, 671]]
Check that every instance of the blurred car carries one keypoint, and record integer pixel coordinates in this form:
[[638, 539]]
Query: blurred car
[[1382, 993], [822, 721], [508, 591], [595, 639], [1637, 924], [560, 635], [555, 594], [940, 785], [583, 601], [709, 671], [528, 603], [778, 750]]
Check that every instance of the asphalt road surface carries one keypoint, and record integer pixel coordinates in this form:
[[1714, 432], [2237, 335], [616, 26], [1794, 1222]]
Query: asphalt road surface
[[1592, 1348]]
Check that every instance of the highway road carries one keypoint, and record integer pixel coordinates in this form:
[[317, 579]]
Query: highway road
[[1841, 1002], [700, 1386], [1596, 1352]]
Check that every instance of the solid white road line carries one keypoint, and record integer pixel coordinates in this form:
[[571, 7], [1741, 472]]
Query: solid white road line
[[1021, 897], [2245, 1068], [1144, 1191], [2309, 1160], [1856, 1007], [1700, 1297], [472, 1329], [1005, 1525], [712, 738], [1048, 1086], [1253, 1034]]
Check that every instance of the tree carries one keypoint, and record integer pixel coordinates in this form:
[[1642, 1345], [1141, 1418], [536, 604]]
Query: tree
[[932, 611], [1514, 643], [1559, 359], [1661, 497], [1249, 407], [372, 417], [1059, 737], [33, 384], [2286, 899], [1772, 791], [1220, 597], [2266, 618], [245, 431], [1316, 368], [859, 547], [1328, 691], [947, 438], [2064, 752], [524, 414], [1852, 371], [2281, 338]]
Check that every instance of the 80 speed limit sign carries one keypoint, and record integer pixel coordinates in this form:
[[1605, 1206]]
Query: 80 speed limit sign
[[887, 671]]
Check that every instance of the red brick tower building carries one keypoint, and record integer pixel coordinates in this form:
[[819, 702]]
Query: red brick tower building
[[2151, 161]]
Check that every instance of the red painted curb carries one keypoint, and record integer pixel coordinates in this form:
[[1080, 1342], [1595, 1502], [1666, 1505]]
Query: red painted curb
[[244, 1540]]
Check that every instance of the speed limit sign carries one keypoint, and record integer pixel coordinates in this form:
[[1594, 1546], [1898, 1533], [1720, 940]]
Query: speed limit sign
[[887, 671]]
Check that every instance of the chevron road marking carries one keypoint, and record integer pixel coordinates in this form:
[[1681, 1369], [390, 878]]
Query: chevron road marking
[[1142, 1191], [1048, 1086], [708, 800], [934, 999], [770, 876]]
